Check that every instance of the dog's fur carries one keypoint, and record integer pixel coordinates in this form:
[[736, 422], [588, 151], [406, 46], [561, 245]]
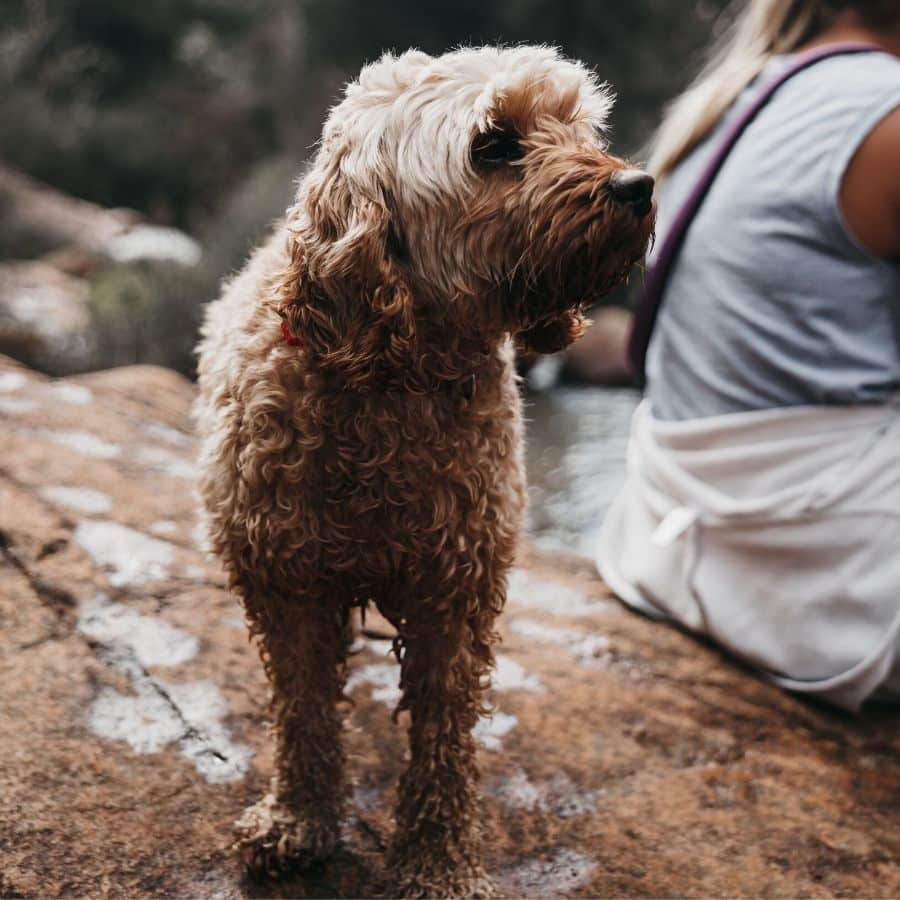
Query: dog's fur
[[376, 455]]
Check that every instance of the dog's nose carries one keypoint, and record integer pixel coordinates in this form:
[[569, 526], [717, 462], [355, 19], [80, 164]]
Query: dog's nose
[[634, 187]]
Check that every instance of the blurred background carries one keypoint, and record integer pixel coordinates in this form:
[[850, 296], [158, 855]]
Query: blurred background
[[145, 147]]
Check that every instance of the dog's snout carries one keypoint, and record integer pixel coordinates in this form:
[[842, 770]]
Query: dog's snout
[[634, 187]]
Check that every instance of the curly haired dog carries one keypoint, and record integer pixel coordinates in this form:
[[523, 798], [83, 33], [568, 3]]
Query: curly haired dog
[[360, 414]]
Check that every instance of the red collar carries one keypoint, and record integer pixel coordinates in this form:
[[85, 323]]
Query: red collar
[[289, 338]]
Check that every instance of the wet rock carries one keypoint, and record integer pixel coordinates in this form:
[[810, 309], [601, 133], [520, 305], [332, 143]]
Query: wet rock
[[624, 758], [44, 320]]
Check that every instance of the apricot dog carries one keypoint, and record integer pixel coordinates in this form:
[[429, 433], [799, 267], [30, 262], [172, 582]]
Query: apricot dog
[[361, 415]]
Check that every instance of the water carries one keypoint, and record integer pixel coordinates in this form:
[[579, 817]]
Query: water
[[575, 454]]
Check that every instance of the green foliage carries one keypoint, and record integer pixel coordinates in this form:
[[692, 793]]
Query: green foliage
[[247, 214], [164, 105], [201, 112], [148, 312], [159, 105]]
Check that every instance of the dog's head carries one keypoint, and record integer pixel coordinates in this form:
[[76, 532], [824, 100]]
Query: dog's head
[[473, 188]]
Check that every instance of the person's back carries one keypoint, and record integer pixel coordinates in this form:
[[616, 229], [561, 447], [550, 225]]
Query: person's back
[[762, 500], [772, 302]]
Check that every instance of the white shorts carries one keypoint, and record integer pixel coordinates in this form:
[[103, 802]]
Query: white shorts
[[776, 533]]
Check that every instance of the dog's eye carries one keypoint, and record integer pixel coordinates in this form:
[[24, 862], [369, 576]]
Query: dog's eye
[[496, 148]]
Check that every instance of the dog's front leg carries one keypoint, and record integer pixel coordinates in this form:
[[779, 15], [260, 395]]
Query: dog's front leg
[[304, 648], [435, 851]]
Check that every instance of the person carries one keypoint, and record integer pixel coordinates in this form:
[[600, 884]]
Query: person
[[761, 505]]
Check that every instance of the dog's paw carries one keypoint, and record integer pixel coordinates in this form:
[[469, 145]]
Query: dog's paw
[[271, 839]]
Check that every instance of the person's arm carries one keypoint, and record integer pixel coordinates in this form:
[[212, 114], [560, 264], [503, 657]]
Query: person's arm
[[870, 191]]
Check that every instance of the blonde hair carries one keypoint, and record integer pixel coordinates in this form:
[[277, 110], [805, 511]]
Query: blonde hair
[[764, 29]]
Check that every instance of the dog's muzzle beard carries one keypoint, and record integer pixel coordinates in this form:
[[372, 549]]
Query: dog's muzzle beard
[[577, 220], [575, 257]]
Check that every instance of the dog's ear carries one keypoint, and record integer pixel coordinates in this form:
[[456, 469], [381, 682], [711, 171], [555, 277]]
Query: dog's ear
[[553, 334], [343, 290]]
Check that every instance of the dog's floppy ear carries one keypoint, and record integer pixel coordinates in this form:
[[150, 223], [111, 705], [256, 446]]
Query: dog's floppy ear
[[552, 334], [343, 291]]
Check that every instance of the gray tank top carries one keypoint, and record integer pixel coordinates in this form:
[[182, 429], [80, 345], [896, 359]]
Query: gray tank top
[[772, 302]]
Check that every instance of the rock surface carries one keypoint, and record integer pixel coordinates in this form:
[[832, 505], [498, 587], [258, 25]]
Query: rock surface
[[44, 320], [44, 316], [624, 759], [117, 234]]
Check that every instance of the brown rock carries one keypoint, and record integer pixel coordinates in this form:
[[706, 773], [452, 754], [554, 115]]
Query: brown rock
[[599, 357], [625, 758], [65, 220], [69, 222], [43, 316]]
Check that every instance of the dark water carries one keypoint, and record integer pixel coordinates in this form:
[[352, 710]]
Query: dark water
[[576, 441]]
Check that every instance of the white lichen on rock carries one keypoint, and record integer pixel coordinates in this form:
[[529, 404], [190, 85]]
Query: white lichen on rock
[[85, 443], [68, 392], [12, 381], [550, 596], [384, 678], [153, 641], [588, 649], [81, 499], [564, 871], [509, 675], [158, 714], [168, 462], [164, 527], [155, 242], [132, 557], [490, 729]]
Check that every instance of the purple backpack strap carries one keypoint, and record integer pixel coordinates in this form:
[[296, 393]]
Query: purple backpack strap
[[657, 274]]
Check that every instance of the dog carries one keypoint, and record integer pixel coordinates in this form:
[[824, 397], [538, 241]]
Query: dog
[[361, 416]]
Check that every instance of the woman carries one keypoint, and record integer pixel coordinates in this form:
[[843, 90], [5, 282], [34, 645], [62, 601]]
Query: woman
[[762, 502]]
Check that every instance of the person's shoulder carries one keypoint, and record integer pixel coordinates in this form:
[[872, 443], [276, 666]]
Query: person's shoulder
[[845, 91], [873, 72], [870, 189]]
